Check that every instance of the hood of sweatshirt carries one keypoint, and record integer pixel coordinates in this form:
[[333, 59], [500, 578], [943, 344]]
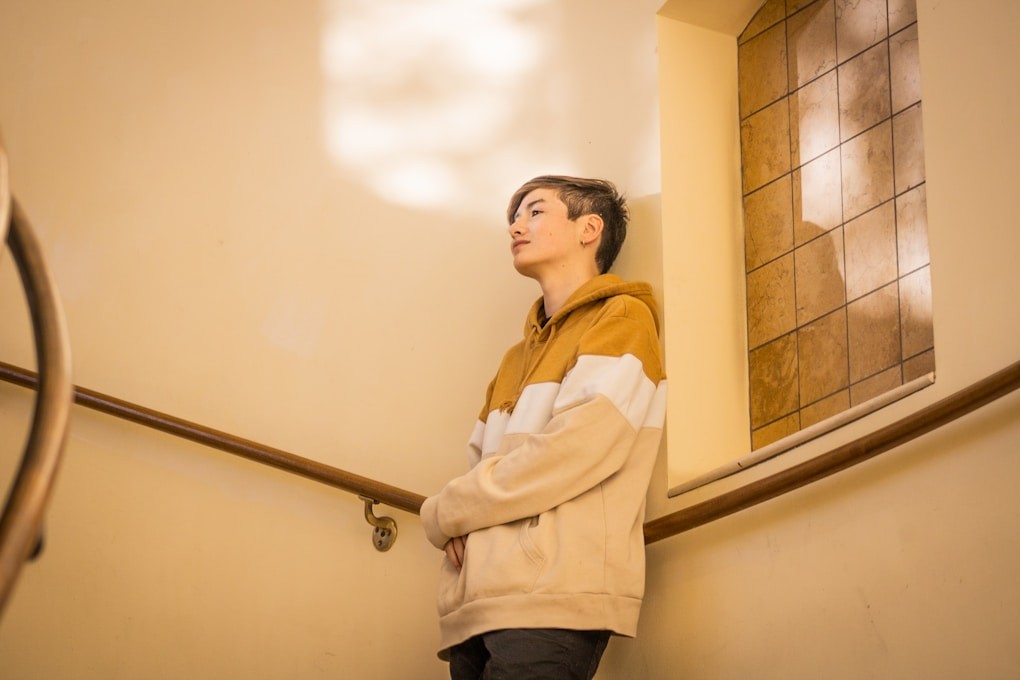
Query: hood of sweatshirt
[[596, 289]]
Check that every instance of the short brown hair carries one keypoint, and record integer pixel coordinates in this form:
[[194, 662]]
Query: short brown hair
[[584, 196]]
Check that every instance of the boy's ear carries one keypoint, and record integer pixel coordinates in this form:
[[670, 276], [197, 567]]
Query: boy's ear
[[592, 230]]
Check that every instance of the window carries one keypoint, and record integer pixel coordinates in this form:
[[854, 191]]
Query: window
[[839, 305]]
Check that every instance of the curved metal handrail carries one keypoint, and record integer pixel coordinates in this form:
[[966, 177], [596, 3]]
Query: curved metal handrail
[[22, 519]]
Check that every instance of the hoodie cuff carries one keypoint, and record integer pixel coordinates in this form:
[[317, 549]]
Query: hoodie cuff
[[430, 522]]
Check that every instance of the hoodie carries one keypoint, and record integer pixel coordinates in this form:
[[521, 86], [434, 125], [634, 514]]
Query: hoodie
[[553, 503]]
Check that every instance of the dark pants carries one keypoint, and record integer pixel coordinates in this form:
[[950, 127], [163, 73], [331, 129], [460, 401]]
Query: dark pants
[[529, 654]]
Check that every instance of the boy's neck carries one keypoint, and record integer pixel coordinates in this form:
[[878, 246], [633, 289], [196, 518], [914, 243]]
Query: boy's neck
[[556, 290]]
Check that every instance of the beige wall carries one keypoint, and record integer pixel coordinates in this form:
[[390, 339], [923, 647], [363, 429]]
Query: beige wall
[[904, 567], [285, 221], [181, 163]]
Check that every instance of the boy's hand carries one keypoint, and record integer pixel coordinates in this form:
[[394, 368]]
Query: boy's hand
[[455, 550]]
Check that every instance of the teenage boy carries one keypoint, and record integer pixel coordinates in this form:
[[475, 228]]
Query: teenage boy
[[543, 536]]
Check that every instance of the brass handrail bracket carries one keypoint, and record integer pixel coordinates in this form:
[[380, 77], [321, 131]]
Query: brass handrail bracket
[[384, 532]]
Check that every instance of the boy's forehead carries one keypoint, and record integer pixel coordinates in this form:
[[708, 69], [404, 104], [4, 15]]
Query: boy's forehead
[[545, 194]]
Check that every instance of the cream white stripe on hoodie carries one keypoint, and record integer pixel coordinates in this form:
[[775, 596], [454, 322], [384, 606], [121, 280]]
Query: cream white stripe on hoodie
[[621, 379], [533, 410], [475, 449], [657, 411]]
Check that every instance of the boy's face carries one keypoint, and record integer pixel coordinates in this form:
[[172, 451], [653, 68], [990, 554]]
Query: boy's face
[[542, 239]]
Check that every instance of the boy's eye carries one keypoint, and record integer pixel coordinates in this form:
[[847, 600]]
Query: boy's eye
[[535, 212]]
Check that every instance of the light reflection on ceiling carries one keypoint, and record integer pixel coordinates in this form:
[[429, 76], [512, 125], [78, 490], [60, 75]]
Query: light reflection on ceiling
[[421, 96]]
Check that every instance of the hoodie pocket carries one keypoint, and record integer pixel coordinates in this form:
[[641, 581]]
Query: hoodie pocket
[[502, 560]]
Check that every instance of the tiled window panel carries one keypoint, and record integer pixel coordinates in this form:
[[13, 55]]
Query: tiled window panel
[[839, 306], [817, 197]]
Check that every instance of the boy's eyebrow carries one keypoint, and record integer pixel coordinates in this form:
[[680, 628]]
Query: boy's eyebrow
[[529, 206]]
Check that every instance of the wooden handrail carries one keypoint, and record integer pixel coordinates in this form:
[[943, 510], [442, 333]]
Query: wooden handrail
[[900, 432], [260, 453], [910, 427], [22, 519]]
